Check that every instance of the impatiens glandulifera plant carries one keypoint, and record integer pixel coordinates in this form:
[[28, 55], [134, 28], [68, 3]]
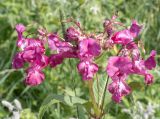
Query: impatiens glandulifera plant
[[86, 48]]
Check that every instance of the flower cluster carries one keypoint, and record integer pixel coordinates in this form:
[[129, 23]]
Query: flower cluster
[[129, 62], [86, 47]]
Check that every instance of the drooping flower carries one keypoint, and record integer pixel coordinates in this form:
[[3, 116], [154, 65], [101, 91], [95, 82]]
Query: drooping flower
[[34, 76], [150, 63], [87, 69], [148, 79], [135, 29], [118, 89]]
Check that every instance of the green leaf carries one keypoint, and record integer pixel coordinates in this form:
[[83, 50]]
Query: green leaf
[[99, 89], [53, 98]]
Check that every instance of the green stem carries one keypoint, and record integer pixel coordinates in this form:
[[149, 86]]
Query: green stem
[[74, 86], [95, 106]]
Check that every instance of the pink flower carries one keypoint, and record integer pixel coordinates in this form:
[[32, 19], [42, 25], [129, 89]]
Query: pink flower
[[118, 89], [89, 48], [150, 63], [55, 60], [126, 36], [34, 76], [148, 79], [70, 54], [72, 34], [55, 43], [87, 69], [118, 64], [139, 67], [35, 43], [53, 39], [18, 61], [135, 28], [29, 54], [21, 42], [20, 28], [122, 37], [33, 50], [41, 60]]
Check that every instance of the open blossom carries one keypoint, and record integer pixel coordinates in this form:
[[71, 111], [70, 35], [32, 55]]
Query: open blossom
[[118, 89], [87, 69], [89, 48], [119, 67], [32, 52], [126, 36], [34, 76], [118, 64]]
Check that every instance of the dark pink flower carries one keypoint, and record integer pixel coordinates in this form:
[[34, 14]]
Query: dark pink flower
[[148, 79], [55, 60], [35, 43], [34, 76], [41, 61], [87, 69], [33, 50], [72, 34], [70, 54], [18, 61], [150, 63], [135, 28], [29, 54], [89, 48]]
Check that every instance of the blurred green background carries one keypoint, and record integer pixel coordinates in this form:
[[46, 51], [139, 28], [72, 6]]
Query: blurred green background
[[91, 13]]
